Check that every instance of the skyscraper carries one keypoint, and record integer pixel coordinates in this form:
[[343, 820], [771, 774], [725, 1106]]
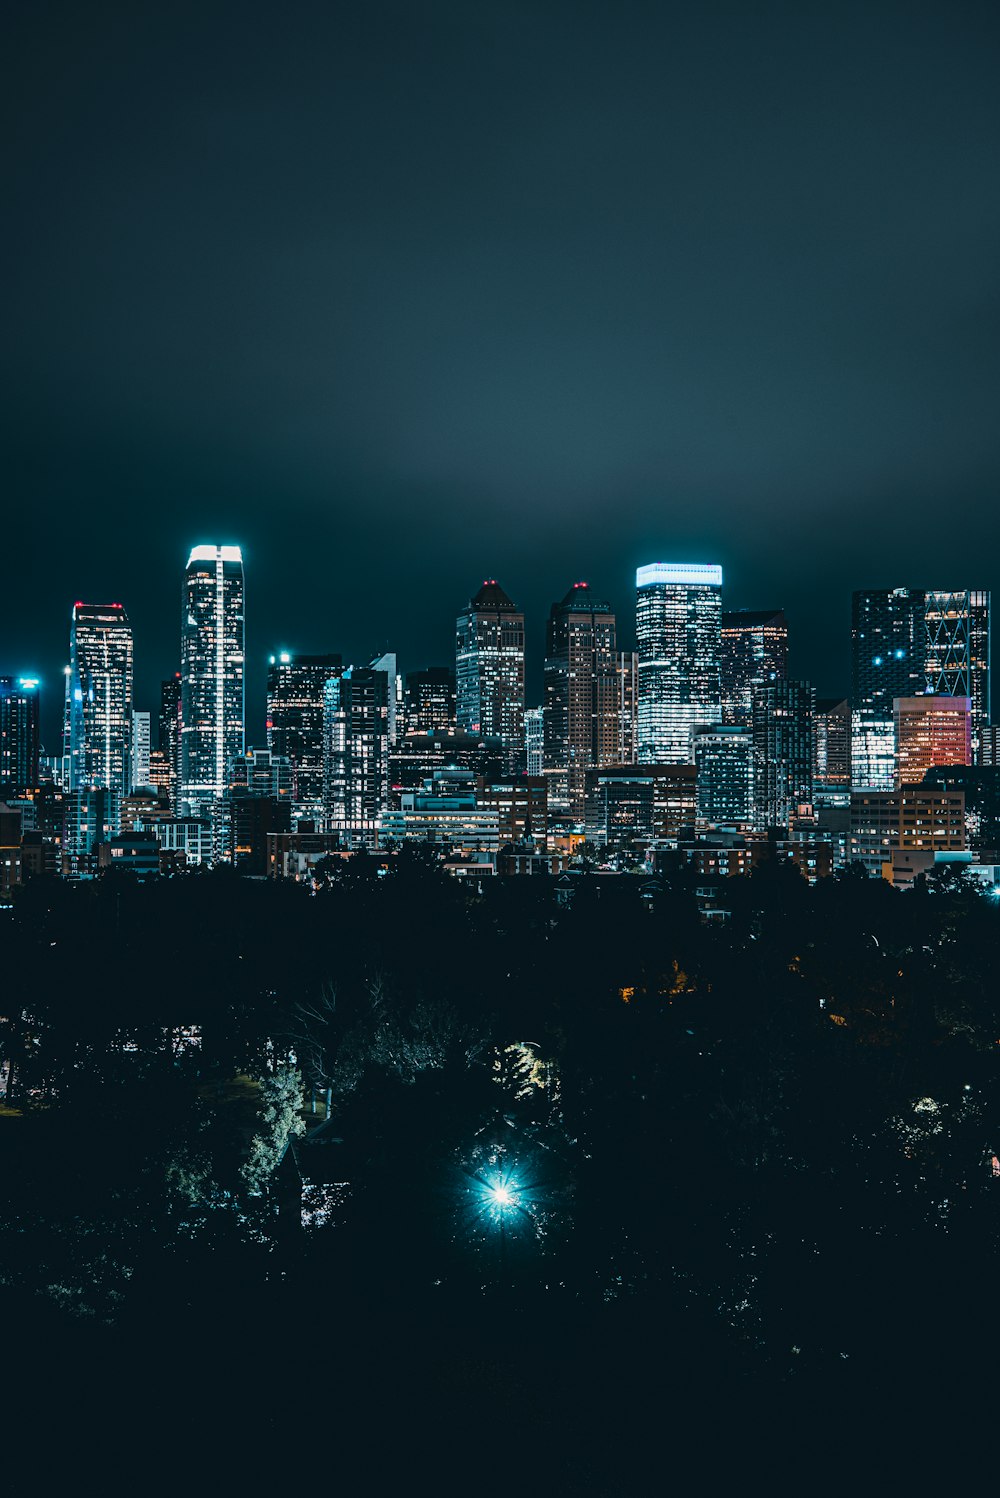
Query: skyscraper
[[356, 759], [101, 664], [489, 670], [627, 693], [930, 732], [429, 699], [19, 735], [295, 688], [725, 760], [888, 655], [783, 738], [754, 652], [170, 731], [832, 745], [581, 696], [212, 671], [678, 622], [140, 749], [958, 653], [534, 740]]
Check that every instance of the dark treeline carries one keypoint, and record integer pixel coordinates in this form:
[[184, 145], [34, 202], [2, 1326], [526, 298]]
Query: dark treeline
[[248, 1129]]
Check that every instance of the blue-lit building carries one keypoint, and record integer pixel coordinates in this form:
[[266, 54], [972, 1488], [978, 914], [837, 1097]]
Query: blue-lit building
[[888, 658], [726, 764], [678, 629], [100, 705], [19, 735], [489, 670]]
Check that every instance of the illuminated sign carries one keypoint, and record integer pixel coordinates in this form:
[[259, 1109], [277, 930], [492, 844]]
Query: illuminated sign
[[685, 574]]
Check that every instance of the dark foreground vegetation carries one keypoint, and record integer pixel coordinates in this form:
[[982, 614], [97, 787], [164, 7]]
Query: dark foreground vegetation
[[250, 1131]]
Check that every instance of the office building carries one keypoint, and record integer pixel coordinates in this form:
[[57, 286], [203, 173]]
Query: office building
[[489, 671], [140, 749], [581, 696], [930, 732], [783, 740], [831, 750], [429, 700], [101, 666], [888, 654], [356, 752], [915, 819], [19, 735], [678, 622], [725, 760], [212, 672], [534, 740], [627, 691], [629, 805], [753, 653], [170, 732], [958, 654], [521, 804], [295, 689]]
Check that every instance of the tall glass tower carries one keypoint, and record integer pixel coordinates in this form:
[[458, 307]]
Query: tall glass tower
[[212, 666], [581, 696], [958, 653], [489, 670], [888, 654], [295, 686], [678, 615], [19, 734], [100, 698]]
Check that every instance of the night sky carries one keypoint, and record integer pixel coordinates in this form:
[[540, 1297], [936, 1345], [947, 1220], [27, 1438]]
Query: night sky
[[399, 296]]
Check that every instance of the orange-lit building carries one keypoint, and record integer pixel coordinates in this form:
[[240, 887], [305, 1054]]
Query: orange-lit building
[[930, 731]]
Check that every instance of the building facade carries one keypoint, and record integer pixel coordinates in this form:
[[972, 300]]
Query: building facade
[[726, 764], [295, 696], [356, 757], [212, 672], [888, 655], [754, 653], [20, 742], [489, 670], [783, 739], [581, 696], [678, 624], [101, 670], [930, 732], [957, 660], [140, 749], [429, 699]]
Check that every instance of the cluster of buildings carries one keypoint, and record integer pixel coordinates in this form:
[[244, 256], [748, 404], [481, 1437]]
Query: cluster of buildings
[[697, 744]]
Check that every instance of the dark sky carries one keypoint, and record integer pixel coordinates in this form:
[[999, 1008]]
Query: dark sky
[[403, 295]]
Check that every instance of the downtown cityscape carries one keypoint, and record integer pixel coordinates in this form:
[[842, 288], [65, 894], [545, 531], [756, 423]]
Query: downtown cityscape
[[695, 745], [499, 765]]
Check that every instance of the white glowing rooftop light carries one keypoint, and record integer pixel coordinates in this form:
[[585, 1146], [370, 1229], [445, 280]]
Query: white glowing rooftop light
[[215, 554], [684, 573]]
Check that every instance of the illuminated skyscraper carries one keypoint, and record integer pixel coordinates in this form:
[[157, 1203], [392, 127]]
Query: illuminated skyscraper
[[627, 693], [170, 732], [534, 740], [140, 749], [101, 663], [678, 622], [832, 746], [489, 670], [429, 699], [930, 732], [212, 672], [888, 653], [581, 696], [726, 760], [19, 735], [783, 738], [958, 653], [356, 759], [295, 687], [754, 652]]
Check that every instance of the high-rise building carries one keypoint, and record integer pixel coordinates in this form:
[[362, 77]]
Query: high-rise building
[[212, 671], [581, 728], [678, 623], [754, 653], [356, 759], [930, 732], [832, 747], [783, 738], [140, 749], [429, 699], [19, 735], [170, 731], [627, 692], [394, 693], [295, 688], [101, 665], [726, 760], [915, 820], [489, 670], [534, 740], [888, 655], [958, 653]]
